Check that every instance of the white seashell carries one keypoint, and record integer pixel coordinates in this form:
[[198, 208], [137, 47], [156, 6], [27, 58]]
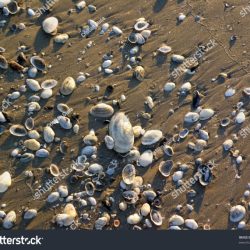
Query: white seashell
[[33, 106], [32, 72], [2, 117], [117, 31], [95, 168], [93, 24], [108, 71], [102, 110], [123, 206], [105, 28], [120, 129], [156, 217], [145, 209], [32, 144], [46, 93], [177, 58], [64, 122], [70, 210], [81, 78], [62, 38], [169, 86], [81, 5], [230, 92], [200, 145], [89, 150], [168, 150], [228, 144], [68, 86], [90, 139], [165, 167], [62, 219], [33, 85], [31, 12], [15, 95], [134, 219], [146, 33], [151, 137], [9, 220], [203, 134], [92, 201], [49, 84], [76, 128], [177, 176], [53, 197], [146, 158], [185, 88], [50, 25], [206, 114], [42, 153], [128, 174], [181, 17], [190, 223], [106, 64], [165, 49], [191, 117], [242, 225], [5, 181], [176, 220], [33, 134], [150, 102], [18, 130], [240, 118], [141, 25], [30, 214], [109, 142], [237, 213], [38, 63]]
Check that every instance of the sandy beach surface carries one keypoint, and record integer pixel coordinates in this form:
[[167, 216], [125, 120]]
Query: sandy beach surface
[[205, 21]]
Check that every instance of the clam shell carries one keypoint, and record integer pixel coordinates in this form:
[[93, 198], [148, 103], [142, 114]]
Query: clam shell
[[169, 86], [18, 130], [63, 191], [13, 7], [48, 134], [64, 122], [205, 176], [141, 25], [33, 106], [151, 137], [139, 73], [49, 84], [90, 188], [30, 214], [177, 176], [109, 141], [146, 158], [132, 38], [106, 64], [134, 219], [165, 49], [240, 118], [61, 38], [27, 157], [128, 174], [53, 197], [206, 114], [130, 196], [50, 25], [3, 62], [120, 129], [46, 93], [32, 144], [10, 220], [2, 117], [145, 209], [176, 220], [117, 31], [29, 123], [63, 108], [177, 58], [133, 156], [165, 167], [185, 88], [42, 153], [68, 86], [184, 133], [156, 217], [102, 110], [5, 181], [38, 63], [191, 117], [54, 170], [95, 168], [190, 223], [33, 84], [237, 213]]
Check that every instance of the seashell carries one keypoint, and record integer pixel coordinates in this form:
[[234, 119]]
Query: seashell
[[225, 122], [32, 144], [246, 91], [205, 176], [10, 220], [94, 169], [206, 114], [34, 98], [120, 129], [185, 88], [31, 12], [101, 222], [92, 201], [49, 84], [76, 128], [3, 62], [177, 176], [140, 39], [191, 117], [138, 131], [134, 50], [80, 79], [63, 147], [150, 195], [68, 86], [89, 150], [203, 134], [32, 72], [102, 110], [106, 64], [141, 25], [15, 95], [2, 117], [146, 33], [128, 174], [145, 209], [42, 153], [139, 73], [176, 220], [5, 181], [109, 142], [61, 38], [181, 17], [146, 158], [165, 49], [27, 157], [123, 206], [90, 139], [33, 106], [81, 5], [33, 84], [54, 170], [104, 28], [200, 145], [63, 108], [33, 134], [90, 188], [165, 167], [93, 24], [50, 25], [174, 228], [230, 92], [168, 150], [169, 86], [228, 144], [18, 130], [177, 58], [133, 156], [108, 71], [63, 191], [64, 122], [38, 63], [237, 213], [242, 225], [46, 93], [117, 31], [156, 217], [30, 214], [151, 137], [53, 197], [130, 196], [4, 3], [134, 219], [13, 7], [149, 101], [190, 223], [184, 133], [29, 123], [240, 118]]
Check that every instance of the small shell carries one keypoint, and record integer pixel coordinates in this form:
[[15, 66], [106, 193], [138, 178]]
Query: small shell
[[149, 101], [146, 158], [30, 214], [63, 108], [200, 145], [13, 7], [95, 168], [206, 114], [138, 131], [42, 153], [191, 117], [63, 191], [46, 93], [228, 144], [141, 25], [230, 92], [240, 118], [177, 176], [156, 217], [61, 38], [246, 91], [29, 123], [90, 139], [237, 213], [165, 167], [27, 157], [64, 122], [48, 134], [18, 130], [81, 5], [130, 196], [225, 122], [151, 137], [38, 63], [5, 181], [53, 197], [3, 62], [32, 144], [168, 150], [146, 33], [32, 72], [89, 150], [169, 86], [139, 73], [76, 128], [185, 88], [145, 209], [54, 170], [178, 58], [165, 49], [184, 133], [117, 31], [33, 106], [134, 219], [68, 86], [49, 84], [10, 220], [102, 110], [128, 174], [90, 188], [2, 117], [50, 25], [190, 223], [106, 64], [33, 84], [109, 141], [176, 220]]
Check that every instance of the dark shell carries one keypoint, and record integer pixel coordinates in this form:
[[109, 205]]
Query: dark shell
[[16, 66]]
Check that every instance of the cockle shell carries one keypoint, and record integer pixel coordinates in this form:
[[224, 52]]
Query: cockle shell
[[128, 174], [5, 181], [120, 129], [50, 25], [102, 110], [68, 86], [48, 134], [151, 137]]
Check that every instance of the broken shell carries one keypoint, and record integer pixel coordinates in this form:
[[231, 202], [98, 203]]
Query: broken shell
[[38, 63], [102, 110], [145, 209], [165, 167], [164, 49], [130, 196], [18, 130], [64, 122], [237, 213], [168, 150], [146, 158], [190, 223], [191, 117], [30, 214], [29, 123], [33, 84], [68, 86], [10, 220], [54, 170], [151, 137], [49, 84], [228, 144], [101, 222], [169, 86], [176, 220], [120, 129], [50, 25], [141, 25], [206, 114], [5, 181], [3, 62], [240, 118], [48, 134], [32, 144], [128, 174], [139, 73], [109, 141], [156, 217], [61, 38]]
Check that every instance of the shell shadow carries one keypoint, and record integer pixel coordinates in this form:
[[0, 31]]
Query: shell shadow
[[159, 5], [41, 41]]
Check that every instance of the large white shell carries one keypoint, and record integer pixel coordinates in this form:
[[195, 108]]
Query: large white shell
[[206, 114], [68, 86], [151, 137], [237, 213], [50, 25], [5, 181], [120, 129], [146, 158]]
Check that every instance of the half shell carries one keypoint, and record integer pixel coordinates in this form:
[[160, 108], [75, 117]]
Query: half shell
[[102, 110]]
